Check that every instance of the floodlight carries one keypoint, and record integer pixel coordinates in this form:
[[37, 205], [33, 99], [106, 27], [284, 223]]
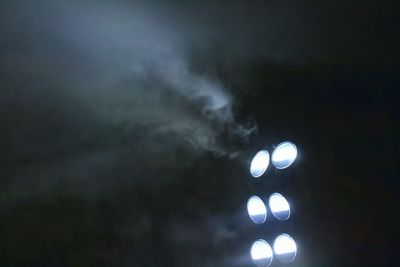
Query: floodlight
[[259, 163], [284, 155], [285, 248], [279, 206], [261, 253], [256, 210]]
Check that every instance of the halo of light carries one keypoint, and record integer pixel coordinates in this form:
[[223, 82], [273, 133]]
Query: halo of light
[[284, 155], [259, 163], [279, 206], [257, 210], [285, 248], [261, 253]]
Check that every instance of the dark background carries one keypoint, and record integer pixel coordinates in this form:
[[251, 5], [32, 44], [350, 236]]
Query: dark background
[[127, 129]]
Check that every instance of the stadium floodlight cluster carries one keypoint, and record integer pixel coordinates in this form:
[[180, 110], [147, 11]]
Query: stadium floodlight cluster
[[284, 247]]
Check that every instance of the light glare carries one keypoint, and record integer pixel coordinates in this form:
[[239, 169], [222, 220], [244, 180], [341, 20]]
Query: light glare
[[284, 155], [285, 248], [259, 163], [256, 210]]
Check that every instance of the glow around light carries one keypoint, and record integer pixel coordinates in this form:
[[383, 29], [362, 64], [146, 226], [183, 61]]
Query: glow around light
[[259, 163], [284, 155], [256, 210], [285, 248], [261, 253], [279, 206]]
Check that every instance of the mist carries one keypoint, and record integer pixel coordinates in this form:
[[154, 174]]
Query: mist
[[110, 96]]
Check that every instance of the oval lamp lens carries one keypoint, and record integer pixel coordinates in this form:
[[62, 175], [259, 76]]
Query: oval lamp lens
[[259, 163], [256, 210], [285, 248], [279, 206], [261, 253], [284, 155]]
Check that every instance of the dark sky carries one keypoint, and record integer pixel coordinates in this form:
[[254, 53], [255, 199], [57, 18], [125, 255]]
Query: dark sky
[[127, 128]]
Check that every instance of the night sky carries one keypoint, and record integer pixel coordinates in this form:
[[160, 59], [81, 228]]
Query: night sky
[[127, 129]]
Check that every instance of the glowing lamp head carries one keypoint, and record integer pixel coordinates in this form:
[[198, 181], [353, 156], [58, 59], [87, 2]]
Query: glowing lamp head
[[285, 248], [279, 206], [259, 163], [284, 155], [261, 253], [257, 210]]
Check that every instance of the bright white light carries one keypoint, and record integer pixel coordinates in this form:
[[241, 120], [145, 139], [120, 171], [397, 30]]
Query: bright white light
[[261, 253], [256, 210], [279, 206], [284, 155], [285, 248], [259, 163]]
